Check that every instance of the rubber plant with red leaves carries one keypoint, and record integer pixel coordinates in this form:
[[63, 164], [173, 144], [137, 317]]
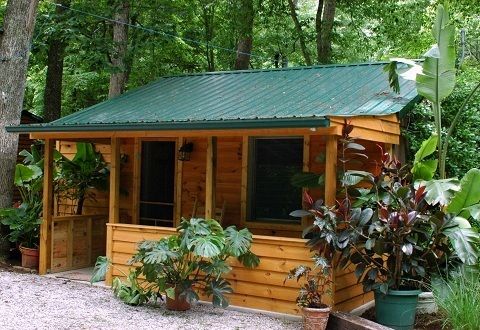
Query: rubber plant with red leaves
[[398, 226]]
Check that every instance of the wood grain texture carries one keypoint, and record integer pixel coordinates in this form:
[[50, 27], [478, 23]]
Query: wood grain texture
[[45, 227]]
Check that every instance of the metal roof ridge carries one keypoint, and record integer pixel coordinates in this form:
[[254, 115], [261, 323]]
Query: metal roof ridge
[[292, 68]]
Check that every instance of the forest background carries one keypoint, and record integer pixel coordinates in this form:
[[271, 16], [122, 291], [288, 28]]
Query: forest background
[[85, 51]]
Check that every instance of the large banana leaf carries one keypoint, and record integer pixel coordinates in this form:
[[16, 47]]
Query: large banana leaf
[[468, 195], [26, 173]]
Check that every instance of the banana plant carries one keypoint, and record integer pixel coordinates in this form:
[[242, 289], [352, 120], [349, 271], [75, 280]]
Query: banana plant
[[435, 78]]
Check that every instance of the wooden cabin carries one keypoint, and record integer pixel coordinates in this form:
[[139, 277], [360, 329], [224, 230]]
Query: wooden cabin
[[196, 143]]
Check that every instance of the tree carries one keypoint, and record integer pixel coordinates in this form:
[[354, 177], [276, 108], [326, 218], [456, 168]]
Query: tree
[[52, 99], [298, 28], [19, 23], [324, 27], [118, 78], [245, 39]]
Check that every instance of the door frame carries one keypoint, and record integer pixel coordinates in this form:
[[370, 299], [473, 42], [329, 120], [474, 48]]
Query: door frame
[[137, 176]]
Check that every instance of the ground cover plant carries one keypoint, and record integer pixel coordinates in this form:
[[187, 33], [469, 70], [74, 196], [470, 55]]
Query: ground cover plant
[[458, 298]]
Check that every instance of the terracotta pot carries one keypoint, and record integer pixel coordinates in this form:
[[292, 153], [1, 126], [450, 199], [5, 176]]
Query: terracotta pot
[[179, 303], [29, 257], [315, 318]]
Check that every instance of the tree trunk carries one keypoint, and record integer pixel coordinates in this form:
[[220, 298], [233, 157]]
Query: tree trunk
[[52, 99], [208, 22], [324, 28], [19, 23], [301, 36], [120, 39], [245, 40]]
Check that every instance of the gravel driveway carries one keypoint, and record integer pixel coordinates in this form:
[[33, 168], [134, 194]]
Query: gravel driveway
[[30, 301]]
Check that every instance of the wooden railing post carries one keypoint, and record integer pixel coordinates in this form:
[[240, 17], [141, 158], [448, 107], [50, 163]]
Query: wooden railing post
[[109, 275], [114, 206], [45, 227], [210, 182], [331, 170]]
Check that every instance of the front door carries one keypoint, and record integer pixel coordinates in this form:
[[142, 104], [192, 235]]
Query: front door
[[157, 183]]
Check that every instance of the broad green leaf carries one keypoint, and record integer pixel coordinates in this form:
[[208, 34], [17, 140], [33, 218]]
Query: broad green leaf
[[440, 191], [207, 247], [238, 242], [100, 270], [425, 169], [465, 242], [26, 173], [468, 195], [307, 180], [170, 292], [217, 289], [474, 211], [437, 79], [427, 148], [249, 260]]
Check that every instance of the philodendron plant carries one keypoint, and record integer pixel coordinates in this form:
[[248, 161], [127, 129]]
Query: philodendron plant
[[401, 226], [194, 260]]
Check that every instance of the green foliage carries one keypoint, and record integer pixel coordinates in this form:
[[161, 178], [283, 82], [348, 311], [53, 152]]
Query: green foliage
[[458, 298], [316, 282], [464, 143], [401, 230], [24, 223], [194, 260], [24, 219], [77, 178]]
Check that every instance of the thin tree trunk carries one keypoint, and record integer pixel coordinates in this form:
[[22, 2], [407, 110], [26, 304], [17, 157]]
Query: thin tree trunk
[[301, 36], [120, 39], [324, 27], [208, 21], [19, 23], [52, 99], [245, 40]]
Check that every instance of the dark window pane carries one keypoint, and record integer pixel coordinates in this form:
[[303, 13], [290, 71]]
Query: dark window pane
[[273, 163]]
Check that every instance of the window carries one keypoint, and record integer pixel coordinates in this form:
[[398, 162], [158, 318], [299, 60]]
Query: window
[[272, 163]]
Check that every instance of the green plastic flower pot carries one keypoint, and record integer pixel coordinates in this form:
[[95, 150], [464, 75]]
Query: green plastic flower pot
[[396, 309]]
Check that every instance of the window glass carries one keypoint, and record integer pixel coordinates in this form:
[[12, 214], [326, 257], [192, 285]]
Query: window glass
[[272, 163]]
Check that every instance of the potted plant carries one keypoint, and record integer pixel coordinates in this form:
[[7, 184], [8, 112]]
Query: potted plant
[[23, 219], [316, 283], [181, 266], [398, 227]]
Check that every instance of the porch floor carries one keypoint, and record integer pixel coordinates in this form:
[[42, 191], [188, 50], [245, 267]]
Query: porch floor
[[78, 275]]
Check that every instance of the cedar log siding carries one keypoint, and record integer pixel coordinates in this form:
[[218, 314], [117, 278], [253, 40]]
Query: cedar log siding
[[261, 288]]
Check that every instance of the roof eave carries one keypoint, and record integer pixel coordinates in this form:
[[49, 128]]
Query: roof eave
[[177, 126]]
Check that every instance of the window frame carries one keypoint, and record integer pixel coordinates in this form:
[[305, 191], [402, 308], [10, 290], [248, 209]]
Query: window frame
[[248, 150]]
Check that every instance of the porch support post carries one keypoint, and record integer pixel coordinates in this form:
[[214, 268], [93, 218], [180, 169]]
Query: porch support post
[[114, 209], [210, 182], [114, 206], [45, 227], [331, 170]]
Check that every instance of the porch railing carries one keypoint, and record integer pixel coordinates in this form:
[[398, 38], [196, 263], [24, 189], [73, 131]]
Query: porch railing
[[77, 240]]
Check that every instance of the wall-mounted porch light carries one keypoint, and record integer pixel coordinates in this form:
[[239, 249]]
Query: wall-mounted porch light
[[185, 151]]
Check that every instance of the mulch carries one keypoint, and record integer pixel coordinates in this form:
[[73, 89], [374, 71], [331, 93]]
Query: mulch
[[422, 321]]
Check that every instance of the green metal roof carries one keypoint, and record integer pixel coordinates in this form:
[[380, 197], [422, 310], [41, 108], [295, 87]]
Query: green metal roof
[[288, 97]]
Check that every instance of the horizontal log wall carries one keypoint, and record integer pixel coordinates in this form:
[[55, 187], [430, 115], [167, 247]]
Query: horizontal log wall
[[261, 288]]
